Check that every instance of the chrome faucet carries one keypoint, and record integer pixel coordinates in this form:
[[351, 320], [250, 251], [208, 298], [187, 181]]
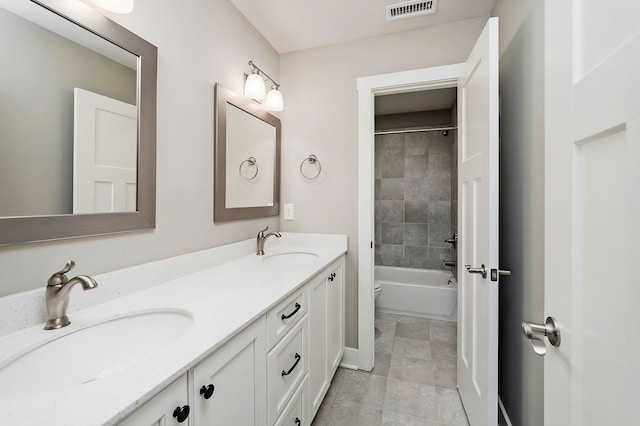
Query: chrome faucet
[[261, 239], [57, 295]]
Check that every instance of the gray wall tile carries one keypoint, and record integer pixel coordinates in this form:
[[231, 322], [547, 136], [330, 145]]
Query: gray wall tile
[[416, 189], [440, 164], [417, 257], [416, 198], [416, 234], [416, 166], [438, 188], [390, 150], [416, 211], [391, 255], [414, 145], [391, 211], [391, 189], [393, 233], [436, 256], [439, 223]]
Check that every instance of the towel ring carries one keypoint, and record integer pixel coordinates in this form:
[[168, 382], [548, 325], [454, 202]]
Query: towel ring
[[251, 161], [312, 160]]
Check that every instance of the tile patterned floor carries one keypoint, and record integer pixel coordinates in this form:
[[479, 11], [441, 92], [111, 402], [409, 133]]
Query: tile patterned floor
[[413, 382]]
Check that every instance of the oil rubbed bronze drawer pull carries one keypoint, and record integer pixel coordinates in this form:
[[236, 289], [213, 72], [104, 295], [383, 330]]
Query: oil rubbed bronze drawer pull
[[295, 364], [295, 311]]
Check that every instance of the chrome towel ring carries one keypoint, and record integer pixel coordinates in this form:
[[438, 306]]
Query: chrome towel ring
[[313, 162], [250, 162]]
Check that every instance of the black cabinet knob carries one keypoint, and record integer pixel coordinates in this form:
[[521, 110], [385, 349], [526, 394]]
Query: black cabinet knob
[[207, 391], [181, 413]]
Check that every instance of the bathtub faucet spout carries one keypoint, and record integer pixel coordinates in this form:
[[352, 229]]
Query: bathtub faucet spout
[[451, 263]]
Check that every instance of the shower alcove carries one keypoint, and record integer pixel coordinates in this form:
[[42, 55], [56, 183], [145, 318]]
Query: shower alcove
[[415, 203]]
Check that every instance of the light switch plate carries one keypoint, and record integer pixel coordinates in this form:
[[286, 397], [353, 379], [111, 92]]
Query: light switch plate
[[288, 211]]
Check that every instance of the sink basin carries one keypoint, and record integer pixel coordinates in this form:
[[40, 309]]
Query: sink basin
[[294, 258], [91, 353]]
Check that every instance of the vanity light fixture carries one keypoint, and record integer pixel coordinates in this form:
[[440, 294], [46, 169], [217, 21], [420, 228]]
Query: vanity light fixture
[[254, 88], [115, 6]]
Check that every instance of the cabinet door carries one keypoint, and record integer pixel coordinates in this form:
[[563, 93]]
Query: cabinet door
[[335, 318], [229, 387], [318, 378], [160, 409]]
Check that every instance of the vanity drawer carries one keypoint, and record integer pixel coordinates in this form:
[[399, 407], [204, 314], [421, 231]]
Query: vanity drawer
[[285, 316], [295, 414], [287, 366]]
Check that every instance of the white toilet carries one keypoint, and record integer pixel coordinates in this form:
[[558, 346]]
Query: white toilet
[[377, 289]]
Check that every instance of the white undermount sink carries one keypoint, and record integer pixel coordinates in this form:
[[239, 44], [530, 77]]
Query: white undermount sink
[[292, 258], [91, 353]]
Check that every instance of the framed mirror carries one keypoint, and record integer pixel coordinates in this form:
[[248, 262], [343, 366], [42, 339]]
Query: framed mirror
[[247, 159], [77, 123]]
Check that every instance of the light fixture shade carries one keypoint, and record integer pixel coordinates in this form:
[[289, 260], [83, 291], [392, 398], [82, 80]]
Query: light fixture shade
[[273, 101], [254, 87], [116, 6]]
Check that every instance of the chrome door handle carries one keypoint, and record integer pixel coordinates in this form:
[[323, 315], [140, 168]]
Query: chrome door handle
[[481, 270], [536, 332], [499, 272]]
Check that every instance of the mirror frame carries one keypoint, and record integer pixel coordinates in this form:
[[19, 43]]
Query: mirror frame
[[23, 229], [221, 213]]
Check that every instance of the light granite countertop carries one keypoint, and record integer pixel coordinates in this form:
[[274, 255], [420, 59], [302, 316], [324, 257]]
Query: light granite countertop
[[222, 300]]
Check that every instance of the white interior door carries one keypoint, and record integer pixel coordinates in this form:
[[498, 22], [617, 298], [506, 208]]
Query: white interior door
[[105, 146], [478, 230], [592, 211]]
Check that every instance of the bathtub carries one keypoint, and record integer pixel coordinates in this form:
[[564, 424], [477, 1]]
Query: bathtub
[[417, 292]]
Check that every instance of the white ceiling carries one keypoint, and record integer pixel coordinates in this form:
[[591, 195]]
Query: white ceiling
[[291, 25]]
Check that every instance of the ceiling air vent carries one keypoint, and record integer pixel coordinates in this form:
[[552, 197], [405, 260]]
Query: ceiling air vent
[[409, 9]]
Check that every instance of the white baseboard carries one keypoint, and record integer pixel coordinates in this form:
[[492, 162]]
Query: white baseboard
[[350, 359], [503, 411]]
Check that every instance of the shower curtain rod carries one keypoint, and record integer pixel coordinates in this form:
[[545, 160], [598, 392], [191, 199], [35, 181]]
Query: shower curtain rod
[[414, 130]]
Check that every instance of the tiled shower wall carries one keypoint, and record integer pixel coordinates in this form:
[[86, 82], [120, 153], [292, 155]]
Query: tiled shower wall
[[413, 194]]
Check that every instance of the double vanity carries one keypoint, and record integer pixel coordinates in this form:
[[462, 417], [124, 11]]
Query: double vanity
[[222, 336]]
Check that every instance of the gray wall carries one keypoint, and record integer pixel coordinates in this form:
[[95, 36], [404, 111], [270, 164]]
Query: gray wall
[[321, 83], [36, 113], [521, 207], [206, 42], [413, 199]]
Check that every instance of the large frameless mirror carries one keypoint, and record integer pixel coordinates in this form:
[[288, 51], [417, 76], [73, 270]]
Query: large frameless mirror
[[77, 123]]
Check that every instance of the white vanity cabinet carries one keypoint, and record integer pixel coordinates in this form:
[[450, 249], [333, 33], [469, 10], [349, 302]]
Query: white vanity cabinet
[[326, 327], [274, 372], [166, 408], [228, 387]]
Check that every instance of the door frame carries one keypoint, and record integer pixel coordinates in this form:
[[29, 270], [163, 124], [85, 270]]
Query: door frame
[[368, 87]]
